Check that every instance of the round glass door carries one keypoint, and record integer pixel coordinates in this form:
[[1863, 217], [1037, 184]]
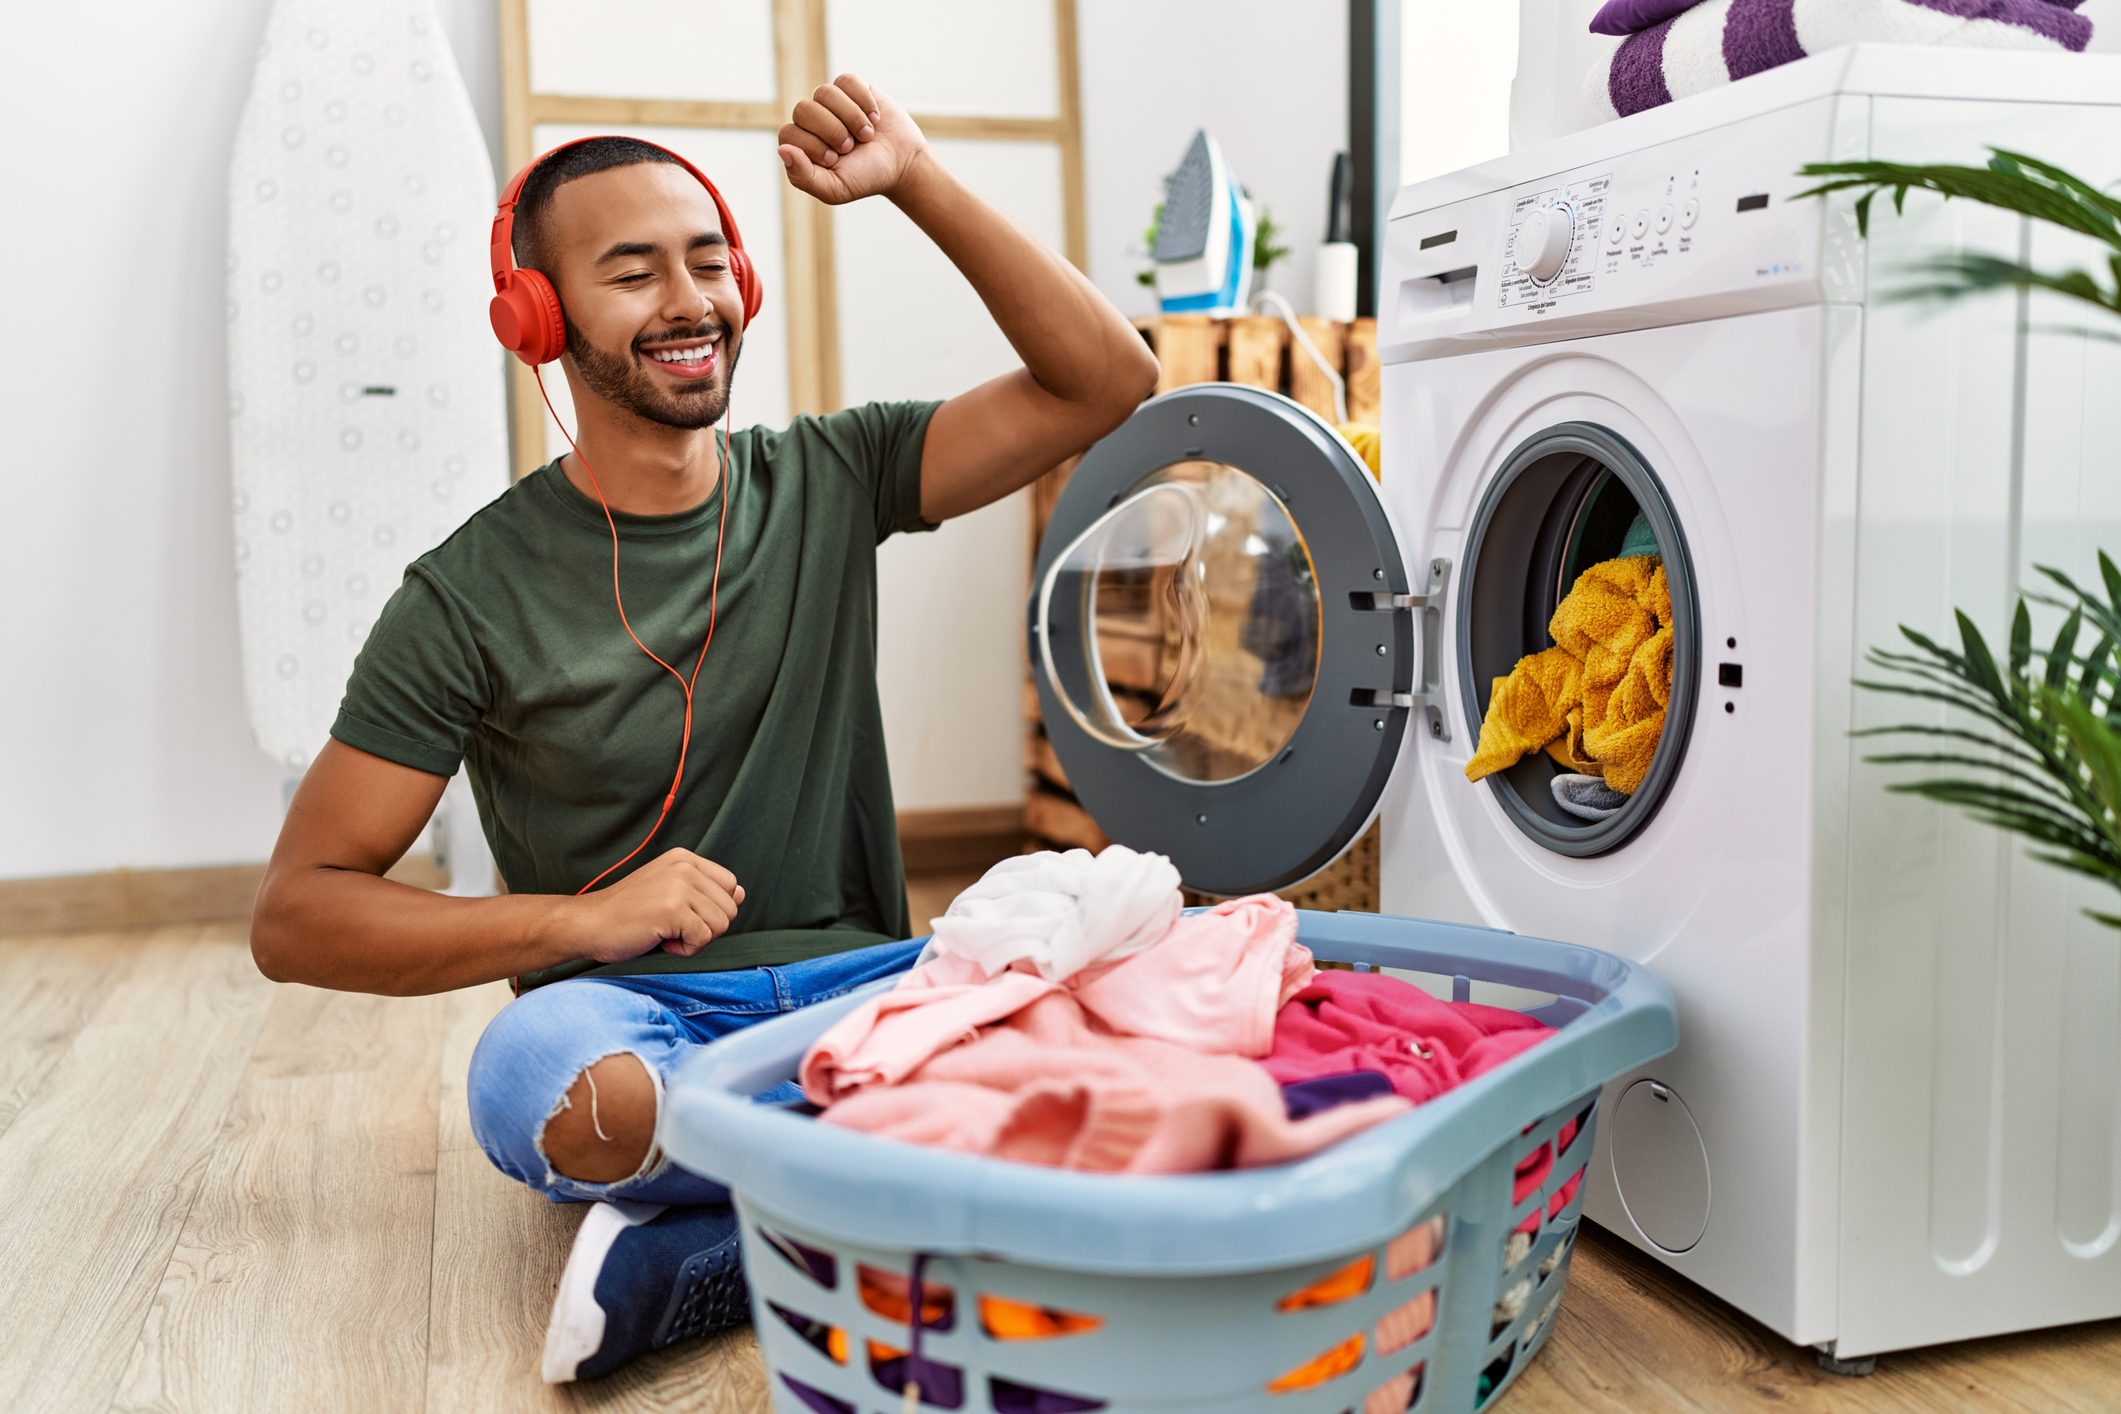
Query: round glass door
[[1221, 637], [1201, 615]]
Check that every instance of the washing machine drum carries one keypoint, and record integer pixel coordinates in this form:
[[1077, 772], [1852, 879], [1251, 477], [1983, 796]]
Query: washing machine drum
[[1222, 637], [1223, 631]]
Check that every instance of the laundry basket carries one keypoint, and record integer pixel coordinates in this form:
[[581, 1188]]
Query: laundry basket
[[1416, 1265]]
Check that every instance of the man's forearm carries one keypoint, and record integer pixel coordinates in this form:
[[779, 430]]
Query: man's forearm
[[355, 932], [1072, 341]]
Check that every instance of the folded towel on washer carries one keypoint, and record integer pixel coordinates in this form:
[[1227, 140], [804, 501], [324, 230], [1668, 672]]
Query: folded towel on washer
[[1595, 701], [1713, 42], [1623, 17]]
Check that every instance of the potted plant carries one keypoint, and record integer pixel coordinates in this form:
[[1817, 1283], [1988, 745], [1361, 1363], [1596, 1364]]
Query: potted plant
[[2033, 740]]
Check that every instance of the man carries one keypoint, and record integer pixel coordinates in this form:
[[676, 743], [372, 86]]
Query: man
[[771, 875]]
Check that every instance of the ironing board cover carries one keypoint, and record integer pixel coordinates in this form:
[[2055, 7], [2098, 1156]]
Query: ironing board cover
[[365, 390]]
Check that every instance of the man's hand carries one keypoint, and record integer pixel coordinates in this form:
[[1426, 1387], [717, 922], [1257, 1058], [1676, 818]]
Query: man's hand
[[849, 140], [677, 901]]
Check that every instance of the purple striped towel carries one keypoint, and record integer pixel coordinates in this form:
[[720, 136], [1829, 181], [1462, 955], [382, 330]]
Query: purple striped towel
[[1712, 42]]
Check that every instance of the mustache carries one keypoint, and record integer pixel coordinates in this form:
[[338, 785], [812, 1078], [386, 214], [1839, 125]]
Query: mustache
[[681, 335]]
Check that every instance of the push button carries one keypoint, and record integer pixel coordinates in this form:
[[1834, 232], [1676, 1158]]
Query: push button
[[1642, 224], [1689, 213], [1664, 220]]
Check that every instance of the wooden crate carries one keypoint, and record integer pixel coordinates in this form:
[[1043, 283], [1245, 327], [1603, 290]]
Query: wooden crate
[[1256, 350]]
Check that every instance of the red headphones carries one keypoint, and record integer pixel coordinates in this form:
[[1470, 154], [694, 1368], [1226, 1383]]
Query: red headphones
[[525, 311]]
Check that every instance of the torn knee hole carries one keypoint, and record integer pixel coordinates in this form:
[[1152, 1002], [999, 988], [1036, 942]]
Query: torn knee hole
[[602, 1130]]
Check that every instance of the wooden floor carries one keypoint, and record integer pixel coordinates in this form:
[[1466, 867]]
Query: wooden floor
[[223, 1194]]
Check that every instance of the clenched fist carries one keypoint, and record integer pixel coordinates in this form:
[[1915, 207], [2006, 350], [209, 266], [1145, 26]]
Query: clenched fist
[[849, 140], [677, 901]]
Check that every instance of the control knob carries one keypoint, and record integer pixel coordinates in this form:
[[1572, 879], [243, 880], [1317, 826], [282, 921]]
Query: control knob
[[1543, 240]]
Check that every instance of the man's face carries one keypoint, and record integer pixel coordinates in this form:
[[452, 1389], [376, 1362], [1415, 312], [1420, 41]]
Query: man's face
[[642, 271]]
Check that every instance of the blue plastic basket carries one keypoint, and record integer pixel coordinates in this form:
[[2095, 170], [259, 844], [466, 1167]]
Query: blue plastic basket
[[1283, 1289]]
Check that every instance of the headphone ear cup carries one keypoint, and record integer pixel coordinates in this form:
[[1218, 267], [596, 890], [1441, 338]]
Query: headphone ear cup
[[526, 317], [748, 283]]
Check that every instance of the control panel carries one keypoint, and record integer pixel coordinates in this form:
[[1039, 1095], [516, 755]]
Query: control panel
[[1703, 226], [1551, 248], [1562, 239]]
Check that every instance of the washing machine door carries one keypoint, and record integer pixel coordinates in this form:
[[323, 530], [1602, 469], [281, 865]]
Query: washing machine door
[[1222, 636]]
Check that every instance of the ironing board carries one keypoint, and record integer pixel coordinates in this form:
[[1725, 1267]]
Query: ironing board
[[365, 391]]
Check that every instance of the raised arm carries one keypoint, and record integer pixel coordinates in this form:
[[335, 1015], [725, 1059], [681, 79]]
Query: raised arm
[[1085, 367]]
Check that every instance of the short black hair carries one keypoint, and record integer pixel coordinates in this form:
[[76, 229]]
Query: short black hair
[[599, 154]]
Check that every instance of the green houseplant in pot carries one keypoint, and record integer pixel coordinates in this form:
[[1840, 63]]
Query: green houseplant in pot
[[2031, 742]]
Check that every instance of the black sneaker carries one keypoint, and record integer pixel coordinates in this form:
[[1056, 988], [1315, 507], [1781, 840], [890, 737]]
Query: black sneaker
[[642, 1276]]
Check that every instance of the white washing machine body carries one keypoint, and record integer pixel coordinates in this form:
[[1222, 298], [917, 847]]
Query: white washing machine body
[[1894, 1117]]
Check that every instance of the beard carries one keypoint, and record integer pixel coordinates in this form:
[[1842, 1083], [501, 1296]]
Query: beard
[[620, 379]]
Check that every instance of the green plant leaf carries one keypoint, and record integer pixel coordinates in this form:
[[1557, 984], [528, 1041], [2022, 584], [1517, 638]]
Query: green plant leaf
[[2007, 748], [2042, 787], [2021, 649], [2058, 657], [2084, 191]]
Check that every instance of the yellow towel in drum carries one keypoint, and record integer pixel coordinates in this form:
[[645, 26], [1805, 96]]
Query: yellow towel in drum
[[1595, 701]]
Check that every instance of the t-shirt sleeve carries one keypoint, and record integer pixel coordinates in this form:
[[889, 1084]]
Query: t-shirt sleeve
[[419, 684], [881, 443]]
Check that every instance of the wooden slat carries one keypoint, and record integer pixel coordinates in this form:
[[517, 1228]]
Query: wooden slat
[[50, 986], [1046, 764], [1258, 351], [1188, 350], [1308, 383], [826, 268], [800, 222], [102, 1163], [155, 898], [1362, 372], [321, 1181], [1061, 823], [577, 110], [936, 840], [968, 125], [1068, 74]]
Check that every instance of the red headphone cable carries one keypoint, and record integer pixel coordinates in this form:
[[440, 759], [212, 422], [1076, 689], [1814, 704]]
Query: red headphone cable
[[713, 597]]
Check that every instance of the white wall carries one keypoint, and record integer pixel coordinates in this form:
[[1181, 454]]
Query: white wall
[[122, 715], [1269, 79], [1454, 88]]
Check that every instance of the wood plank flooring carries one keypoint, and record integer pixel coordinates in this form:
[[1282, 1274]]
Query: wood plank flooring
[[224, 1194]]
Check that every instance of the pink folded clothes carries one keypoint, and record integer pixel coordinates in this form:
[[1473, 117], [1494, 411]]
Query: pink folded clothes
[[1348, 1021], [1052, 1085], [1713, 42], [1213, 984]]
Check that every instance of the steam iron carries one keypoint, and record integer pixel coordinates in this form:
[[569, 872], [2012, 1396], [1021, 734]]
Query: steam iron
[[1205, 240]]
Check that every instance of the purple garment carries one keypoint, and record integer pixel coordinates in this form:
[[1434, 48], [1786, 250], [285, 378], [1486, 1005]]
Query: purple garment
[[1635, 16], [1636, 80], [1759, 35], [2050, 19], [1304, 1098], [1619, 17], [1762, 34]]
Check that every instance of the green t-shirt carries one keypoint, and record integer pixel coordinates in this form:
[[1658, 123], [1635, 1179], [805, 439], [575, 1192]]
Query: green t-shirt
[[503, 647]]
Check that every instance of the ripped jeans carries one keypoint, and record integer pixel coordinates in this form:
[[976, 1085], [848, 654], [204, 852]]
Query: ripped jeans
[[531, 1053]]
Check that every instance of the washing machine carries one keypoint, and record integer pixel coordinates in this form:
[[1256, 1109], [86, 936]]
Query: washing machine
[[1894, 1116]]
